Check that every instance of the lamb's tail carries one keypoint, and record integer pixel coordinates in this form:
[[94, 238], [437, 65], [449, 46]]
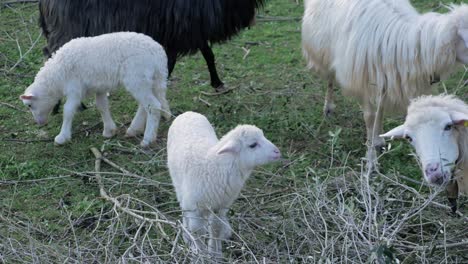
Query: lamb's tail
[[159, 90]]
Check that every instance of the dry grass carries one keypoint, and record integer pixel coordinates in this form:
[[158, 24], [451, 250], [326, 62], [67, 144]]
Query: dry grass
[[350, 218]]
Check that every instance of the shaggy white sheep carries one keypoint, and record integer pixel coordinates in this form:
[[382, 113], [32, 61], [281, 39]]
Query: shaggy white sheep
[[208, 174], [382, 51], [436, 126], [97, 65]]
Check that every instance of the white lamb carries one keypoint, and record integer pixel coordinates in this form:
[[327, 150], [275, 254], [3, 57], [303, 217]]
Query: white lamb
[[208, 174], [437, 127], [98, 65], [382, 51]]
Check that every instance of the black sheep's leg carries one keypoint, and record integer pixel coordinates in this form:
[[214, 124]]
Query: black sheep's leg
[[56, 108], [210, 62], [171, 61], [82, 107]]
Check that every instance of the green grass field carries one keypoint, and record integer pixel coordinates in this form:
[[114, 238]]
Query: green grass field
[[314, 206]]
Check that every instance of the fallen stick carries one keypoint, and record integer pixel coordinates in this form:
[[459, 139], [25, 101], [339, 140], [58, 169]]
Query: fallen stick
[[219, 93], [270, 18], [19, 2], [451, 245], [103, 193], [12, 107]]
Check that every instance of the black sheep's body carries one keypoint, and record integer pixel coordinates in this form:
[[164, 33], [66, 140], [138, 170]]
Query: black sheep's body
[[180, 26]]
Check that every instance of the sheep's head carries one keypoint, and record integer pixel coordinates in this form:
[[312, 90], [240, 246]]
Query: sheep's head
[[249, 145], [40, 105], [433, 132], [462, 33]]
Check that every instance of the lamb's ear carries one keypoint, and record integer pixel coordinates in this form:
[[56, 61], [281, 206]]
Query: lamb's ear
[[26, 97], [459, 118], [397, 132], [463, 34], [229, 147]]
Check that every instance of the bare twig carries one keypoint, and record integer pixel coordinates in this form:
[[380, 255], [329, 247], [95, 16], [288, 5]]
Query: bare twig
[[12, 107], [26, 53], [117, 203], [19, 2], [271, 18], [219, 93]]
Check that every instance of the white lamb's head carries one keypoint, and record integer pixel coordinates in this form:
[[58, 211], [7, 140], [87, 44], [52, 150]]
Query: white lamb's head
[[39, 104], [461, 14], [433, 129], [249, 146]]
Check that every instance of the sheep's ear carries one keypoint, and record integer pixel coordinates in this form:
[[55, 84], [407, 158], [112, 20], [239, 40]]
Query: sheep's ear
[[459, 118], [463, 34], [26, 97], [229, 147], [397, 132]]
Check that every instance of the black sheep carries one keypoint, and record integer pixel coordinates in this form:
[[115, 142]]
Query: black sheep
[[181, 26]]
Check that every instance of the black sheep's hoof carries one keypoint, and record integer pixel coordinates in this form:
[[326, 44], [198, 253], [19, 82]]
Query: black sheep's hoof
[[82, 107], [220, 88]]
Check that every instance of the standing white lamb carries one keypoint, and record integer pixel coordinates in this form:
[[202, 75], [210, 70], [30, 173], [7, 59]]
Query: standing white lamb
[[208, 174], [437, 127], [381, 51], [98, 65]]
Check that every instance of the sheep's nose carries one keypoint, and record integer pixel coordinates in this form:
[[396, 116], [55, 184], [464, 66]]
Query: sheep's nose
[[433, 174], [277, 153], [431, 168]]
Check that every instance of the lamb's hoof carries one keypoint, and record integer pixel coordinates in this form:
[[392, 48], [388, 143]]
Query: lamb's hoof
[[145, 144], [108, 133], [167, 116], [329, 110], [60, 140], [133, 133]]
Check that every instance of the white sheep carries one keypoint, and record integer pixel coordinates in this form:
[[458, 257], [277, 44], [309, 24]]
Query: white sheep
[[382, 52], [98, 65], [208, 174], [437, 127]]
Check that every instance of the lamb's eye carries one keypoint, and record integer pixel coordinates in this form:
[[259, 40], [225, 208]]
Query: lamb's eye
[[28, 105], [253, 145], [409, 138], [448, 127]]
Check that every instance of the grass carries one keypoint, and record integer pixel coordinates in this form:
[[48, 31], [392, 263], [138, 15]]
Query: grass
[[315, 206]]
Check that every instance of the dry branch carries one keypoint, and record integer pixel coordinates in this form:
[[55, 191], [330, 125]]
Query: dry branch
[[271, 18], [18, 2], [102, 191], [12, 107], [219, 93]]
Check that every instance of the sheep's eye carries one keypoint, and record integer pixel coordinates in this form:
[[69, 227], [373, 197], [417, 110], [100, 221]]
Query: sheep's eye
[[253, 145], [448, 127], [28, 105], [409, 138]]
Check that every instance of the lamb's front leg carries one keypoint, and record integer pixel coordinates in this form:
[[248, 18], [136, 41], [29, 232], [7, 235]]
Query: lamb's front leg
[[152, 107], [219, 230], [138, 123], [102, 104], [69, 110], [195, 223]]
